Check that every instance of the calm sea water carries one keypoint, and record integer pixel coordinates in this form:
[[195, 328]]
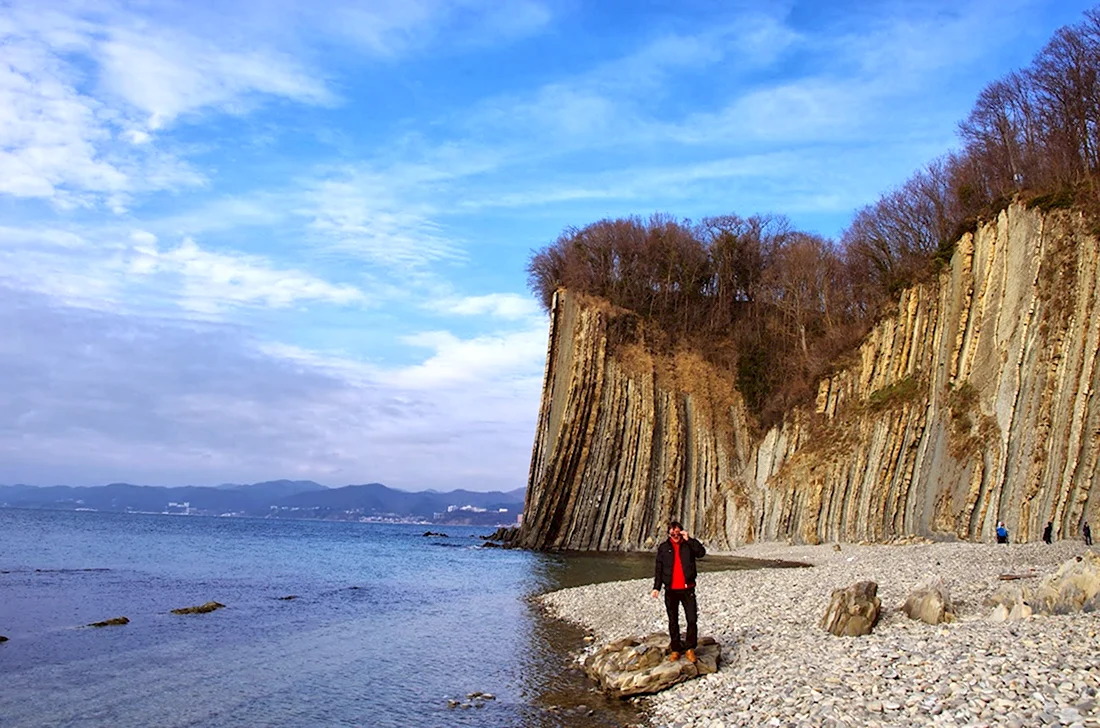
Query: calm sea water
[[386, 627]]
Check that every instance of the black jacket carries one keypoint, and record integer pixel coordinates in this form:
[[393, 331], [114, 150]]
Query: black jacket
[[690, 550]]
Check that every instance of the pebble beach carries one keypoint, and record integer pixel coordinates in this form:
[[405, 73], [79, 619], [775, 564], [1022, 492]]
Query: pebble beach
[[779, 668]]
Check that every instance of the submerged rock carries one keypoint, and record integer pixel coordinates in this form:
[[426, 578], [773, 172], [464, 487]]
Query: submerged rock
[[110, 622], [853, 610], [201, 609], [634, 666]]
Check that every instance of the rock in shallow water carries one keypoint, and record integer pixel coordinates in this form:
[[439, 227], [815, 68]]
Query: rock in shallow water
[[635, 666], [201, 609]]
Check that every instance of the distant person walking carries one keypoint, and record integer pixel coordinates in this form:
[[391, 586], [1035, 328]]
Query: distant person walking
[[1002, 532], [675, 571], [1048, 532], [1087, 532]]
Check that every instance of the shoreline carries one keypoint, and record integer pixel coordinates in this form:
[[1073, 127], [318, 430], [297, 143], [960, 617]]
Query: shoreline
[[779, 668]]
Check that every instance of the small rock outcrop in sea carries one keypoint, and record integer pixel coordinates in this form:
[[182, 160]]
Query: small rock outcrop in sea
[[435, 533], [476, 699], [111, 622], [929, 602], [634, 666], [504, 537], [3, 638], [853, 610], [200, 609], [1075, 587]]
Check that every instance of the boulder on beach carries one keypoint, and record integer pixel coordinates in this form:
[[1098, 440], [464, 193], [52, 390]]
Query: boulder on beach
[[111, 622], [853, 610], [200, 609], [1074, 587], [929, 602], [640, 666]]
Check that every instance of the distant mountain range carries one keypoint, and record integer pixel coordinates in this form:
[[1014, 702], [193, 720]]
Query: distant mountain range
[[278, 499]]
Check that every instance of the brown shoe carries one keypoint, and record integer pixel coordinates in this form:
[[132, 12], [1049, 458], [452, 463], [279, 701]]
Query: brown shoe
[[690, 654], [673, 656]]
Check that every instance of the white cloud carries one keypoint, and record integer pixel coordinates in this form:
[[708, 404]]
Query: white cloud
[[120, 270], [166, 74], [213, 281], [482, 358], [60, 144], [49, 131], [509, 306], [81, 90]]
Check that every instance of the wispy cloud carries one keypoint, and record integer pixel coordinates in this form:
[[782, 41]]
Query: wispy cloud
[[123, 271], [366, 214], [166, 74]]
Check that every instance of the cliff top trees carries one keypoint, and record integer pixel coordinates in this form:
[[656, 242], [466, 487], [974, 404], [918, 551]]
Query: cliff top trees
[[779, 296], [788, 302]]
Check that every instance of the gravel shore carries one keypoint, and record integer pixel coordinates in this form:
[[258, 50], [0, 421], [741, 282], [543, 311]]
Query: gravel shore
[[780, 669]]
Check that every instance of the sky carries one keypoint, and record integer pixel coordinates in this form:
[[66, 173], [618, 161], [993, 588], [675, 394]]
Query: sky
[[243, 241]]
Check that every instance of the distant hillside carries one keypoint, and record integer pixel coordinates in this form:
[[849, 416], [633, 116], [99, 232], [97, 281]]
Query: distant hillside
[[279, 499]]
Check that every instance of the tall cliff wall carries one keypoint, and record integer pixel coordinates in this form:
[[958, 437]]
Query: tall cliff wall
[[974, 403]]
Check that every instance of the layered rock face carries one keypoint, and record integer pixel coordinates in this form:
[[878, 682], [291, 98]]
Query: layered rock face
[[973, 404]]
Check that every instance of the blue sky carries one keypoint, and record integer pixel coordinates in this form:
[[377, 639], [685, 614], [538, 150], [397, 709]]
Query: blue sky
[[252, 240]]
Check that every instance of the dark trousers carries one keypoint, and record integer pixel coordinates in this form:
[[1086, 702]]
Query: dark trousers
[[673, 599]]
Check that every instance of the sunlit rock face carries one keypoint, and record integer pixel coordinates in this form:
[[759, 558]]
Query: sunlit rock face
[[972, 403]]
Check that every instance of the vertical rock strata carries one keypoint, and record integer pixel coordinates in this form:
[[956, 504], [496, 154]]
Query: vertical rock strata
[[972, 403]]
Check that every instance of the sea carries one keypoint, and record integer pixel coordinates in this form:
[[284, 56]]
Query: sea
[[325, 624]]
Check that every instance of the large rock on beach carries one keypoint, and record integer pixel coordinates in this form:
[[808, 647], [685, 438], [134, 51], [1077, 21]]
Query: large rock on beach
[[853, 610], [1074, 587], [640, 666], [929, 602]]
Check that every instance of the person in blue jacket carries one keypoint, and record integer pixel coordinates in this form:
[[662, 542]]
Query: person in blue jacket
[[675, 571], [1002, 532]]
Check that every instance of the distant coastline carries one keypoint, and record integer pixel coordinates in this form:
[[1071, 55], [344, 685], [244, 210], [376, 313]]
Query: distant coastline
[[283, 499]]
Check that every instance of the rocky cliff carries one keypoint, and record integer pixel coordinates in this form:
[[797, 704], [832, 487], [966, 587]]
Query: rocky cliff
[[973, 403]]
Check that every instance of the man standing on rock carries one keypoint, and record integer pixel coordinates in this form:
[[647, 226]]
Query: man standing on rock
[[675, 570]]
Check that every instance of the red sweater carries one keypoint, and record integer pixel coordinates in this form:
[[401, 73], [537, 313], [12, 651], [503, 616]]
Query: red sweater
[[677, 567]]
